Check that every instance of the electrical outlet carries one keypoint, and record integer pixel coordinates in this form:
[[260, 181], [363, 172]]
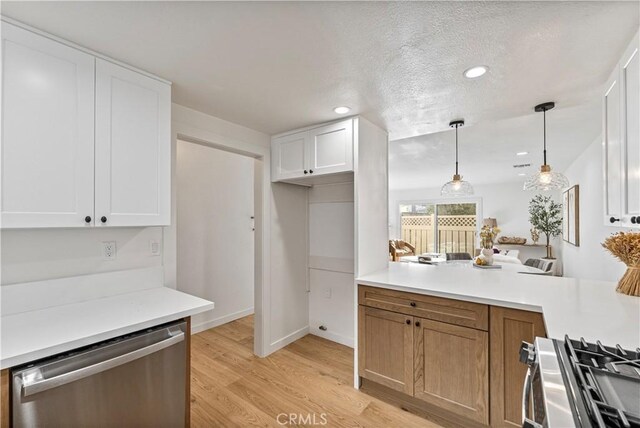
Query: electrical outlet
[[109, 250], [327, 293], [154, 247]]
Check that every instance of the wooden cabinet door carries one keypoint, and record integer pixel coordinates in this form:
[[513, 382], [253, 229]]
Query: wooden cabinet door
[[133, 148], [452, 368], [331, 148], [47, 132], [612, 148], [630, 79], [507, 329], [288, 156], [385, 348]]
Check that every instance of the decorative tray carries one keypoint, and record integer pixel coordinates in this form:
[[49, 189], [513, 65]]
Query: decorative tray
[[487, 267]]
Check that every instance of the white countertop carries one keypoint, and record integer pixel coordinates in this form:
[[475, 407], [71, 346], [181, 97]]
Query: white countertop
[[579, 308], [27, 336]]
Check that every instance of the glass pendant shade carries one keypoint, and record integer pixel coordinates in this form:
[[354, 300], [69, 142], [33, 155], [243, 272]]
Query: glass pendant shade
[[457, 186], [545, 179]]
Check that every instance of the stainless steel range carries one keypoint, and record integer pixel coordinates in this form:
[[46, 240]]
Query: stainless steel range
[[573, 383]]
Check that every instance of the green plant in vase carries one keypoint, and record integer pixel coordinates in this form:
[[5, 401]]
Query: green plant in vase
[[546, 216]]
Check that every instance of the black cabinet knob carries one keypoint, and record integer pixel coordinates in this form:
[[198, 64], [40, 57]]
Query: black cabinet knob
[[634, 219], [413, 304], [87, 219], [417, 323], [310, 171], [103, 219], [408, 322], [613, 219], [305, 171]]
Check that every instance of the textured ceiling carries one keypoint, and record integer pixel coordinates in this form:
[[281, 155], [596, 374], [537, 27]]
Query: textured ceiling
[[278, 66], [488, 150]]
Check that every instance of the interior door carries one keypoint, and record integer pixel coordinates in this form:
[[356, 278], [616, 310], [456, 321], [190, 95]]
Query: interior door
[[331, 148], [385, 348], [133, 148], [288, 156], [47, 132], [452, 368], [215, 248]]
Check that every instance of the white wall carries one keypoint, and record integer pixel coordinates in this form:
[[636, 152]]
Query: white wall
[[215, 240], [590, 260], [506, 202], [289, 301], [40, 254], [331, 262]]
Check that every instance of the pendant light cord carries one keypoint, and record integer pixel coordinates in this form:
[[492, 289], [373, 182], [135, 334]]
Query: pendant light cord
[[544, 127], [456, 149]]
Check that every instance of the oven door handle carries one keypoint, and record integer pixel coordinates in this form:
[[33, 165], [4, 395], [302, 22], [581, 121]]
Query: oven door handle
[[526, 394]]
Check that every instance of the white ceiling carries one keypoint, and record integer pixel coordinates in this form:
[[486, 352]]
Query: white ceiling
[[278, 66], [487, 152]]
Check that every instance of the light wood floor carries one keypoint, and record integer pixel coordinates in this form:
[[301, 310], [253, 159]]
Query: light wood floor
[[230, 387]]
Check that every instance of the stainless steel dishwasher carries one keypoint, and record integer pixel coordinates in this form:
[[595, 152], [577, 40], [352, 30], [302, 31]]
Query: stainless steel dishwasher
[[136, 380]]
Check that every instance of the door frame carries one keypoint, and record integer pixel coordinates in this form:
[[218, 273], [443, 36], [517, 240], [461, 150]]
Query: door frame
[[262, 212]]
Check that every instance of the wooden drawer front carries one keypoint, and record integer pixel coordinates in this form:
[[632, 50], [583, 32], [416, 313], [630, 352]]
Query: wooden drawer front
[[450, 311]]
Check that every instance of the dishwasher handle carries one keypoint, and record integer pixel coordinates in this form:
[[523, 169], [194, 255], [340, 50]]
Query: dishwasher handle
[[35, 387]]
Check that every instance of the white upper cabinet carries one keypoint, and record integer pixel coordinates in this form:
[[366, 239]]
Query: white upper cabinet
[[612, 149], [621, 141], [47, 132], [289, 156], [331, 148], [630, 78], [323, 150], [133, 147], [85, 142]]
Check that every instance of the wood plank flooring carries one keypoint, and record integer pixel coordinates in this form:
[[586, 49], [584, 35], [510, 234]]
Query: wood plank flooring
[[308, 383]]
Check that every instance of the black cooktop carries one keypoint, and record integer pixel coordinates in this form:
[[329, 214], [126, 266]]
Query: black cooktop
[[608, 379]]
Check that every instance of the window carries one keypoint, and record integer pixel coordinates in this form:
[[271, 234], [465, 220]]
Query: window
[[440, 227]]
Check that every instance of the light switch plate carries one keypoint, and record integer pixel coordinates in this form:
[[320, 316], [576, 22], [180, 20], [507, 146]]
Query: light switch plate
[[154, 247], [109, 250]]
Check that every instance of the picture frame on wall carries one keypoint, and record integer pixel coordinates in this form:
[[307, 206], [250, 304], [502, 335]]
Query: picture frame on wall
[[571, 215]]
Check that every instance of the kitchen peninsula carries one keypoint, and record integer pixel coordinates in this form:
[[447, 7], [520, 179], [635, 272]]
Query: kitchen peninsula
[[445, 340]]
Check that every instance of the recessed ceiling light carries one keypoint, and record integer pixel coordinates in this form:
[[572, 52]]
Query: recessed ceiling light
[[474, 72], [342, 110], [522, 153], [522, 174]]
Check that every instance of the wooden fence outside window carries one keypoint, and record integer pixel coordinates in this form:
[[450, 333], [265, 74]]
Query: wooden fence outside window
[[456, 233]]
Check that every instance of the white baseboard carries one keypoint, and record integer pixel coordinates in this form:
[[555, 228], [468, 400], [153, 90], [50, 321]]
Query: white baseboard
[[334, 337], [206, 325], [290, 338]]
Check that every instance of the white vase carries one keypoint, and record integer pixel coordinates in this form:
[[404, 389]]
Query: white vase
[[487, 255]]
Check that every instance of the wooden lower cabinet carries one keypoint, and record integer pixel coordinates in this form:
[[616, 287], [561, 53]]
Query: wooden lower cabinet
[[452, 368], [385, 348], [508, 328], [465, 375], [5, 400]]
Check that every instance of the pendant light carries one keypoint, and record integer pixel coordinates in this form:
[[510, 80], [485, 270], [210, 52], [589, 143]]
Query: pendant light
[[457, 186], [545, 179]]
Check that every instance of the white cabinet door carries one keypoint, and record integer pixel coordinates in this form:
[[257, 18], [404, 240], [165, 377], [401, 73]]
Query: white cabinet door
[[612, 149], [630, 79], [133, 148], [288, 156], [47, 132], [331, 148]]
